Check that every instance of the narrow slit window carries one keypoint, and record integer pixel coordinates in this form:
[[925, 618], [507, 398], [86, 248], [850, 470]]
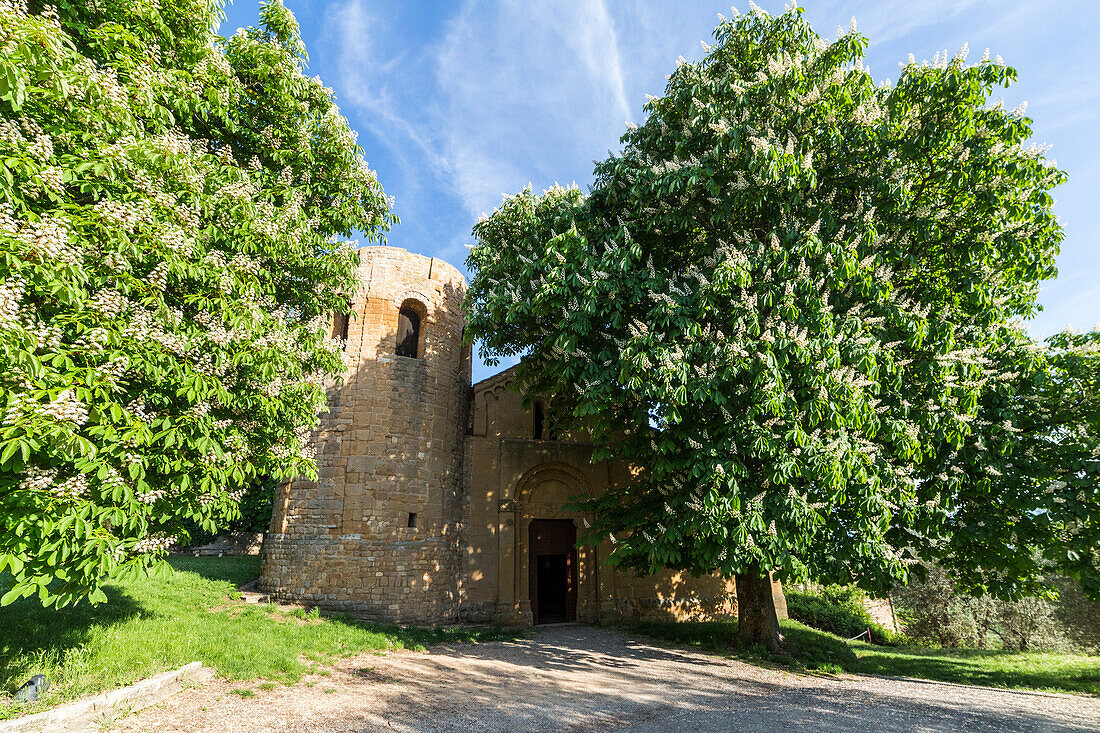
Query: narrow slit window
[[540, 420], [412, 520], [408, 333], [340, 328]]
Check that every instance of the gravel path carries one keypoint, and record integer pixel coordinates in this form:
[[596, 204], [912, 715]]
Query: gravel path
[[579, 678]]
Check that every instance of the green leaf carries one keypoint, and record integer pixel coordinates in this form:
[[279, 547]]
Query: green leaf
[[15, 593]]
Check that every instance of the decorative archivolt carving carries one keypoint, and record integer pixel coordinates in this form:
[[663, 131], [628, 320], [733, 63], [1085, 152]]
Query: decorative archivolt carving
[[554, 470]]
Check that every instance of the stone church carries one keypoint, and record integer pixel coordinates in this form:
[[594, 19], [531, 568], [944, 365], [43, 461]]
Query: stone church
[[438, 500]]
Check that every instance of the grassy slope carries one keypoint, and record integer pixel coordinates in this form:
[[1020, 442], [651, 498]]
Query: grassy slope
[[155, 624], [808, 648]]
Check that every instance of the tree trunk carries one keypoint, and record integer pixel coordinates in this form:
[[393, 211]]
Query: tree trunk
[[756, 619], [985, 625]]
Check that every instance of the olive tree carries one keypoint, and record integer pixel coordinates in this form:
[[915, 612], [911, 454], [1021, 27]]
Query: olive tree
[[779, 302], [172, 208]]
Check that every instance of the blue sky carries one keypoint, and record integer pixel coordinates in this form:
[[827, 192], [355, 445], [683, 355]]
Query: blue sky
[[460, 102]]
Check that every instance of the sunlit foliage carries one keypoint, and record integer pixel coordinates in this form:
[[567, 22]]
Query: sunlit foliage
[[790, 300], [170, 208]]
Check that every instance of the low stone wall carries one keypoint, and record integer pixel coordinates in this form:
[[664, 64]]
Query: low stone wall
[[231, 545], [98, 712], [408, 581]]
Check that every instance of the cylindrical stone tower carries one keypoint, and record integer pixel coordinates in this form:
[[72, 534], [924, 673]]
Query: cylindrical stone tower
[[380, 534]]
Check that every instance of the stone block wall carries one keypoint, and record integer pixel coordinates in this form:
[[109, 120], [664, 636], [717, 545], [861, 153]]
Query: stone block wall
[[513, 479], [380, 534], [413, 521]]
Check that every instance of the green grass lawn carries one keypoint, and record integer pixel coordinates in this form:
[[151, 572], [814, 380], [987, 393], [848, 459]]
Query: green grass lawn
[[814, 650], [156, 624]]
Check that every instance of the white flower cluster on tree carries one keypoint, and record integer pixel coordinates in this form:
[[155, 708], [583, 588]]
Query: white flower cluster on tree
[[787, 301], [168, 260]]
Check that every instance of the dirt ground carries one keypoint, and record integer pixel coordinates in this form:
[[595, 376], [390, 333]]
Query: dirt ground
[[580, 678]]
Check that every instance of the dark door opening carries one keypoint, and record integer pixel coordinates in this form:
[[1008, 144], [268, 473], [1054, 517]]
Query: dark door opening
[[553, 570], [553, 588]]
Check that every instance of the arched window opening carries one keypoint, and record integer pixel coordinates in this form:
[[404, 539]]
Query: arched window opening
[[340, 328], [539, 411], [408, 331]]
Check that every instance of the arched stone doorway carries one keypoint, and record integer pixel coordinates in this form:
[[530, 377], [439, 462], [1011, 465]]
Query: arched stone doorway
[[552, 574], [543, 532]]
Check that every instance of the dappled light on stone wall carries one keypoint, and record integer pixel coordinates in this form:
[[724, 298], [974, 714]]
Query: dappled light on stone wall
[[379, 535], [423, 512]]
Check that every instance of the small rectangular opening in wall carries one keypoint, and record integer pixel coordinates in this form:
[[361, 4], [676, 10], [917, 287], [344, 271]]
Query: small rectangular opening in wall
[[340, 328], [412, 520]]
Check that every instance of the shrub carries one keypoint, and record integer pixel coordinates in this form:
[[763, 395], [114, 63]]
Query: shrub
[[838, 610], [255, 515], [935, 612], [1078, 615], [1029, 624]]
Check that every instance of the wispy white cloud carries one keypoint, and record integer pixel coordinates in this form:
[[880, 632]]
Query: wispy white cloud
[[883, 21], [365, 79], [887, 23], [509, 92], [592, 36], [529, 90]]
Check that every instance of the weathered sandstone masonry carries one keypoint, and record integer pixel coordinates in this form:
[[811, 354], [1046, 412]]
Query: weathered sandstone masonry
[[380, 533], [438, 500]]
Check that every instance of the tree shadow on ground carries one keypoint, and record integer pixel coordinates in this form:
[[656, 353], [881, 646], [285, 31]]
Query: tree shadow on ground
[[803, 648], [32, 632], [236, 570], [593, 679], [809, 649]]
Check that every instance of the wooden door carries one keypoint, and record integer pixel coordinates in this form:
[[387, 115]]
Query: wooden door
[[552, 569]]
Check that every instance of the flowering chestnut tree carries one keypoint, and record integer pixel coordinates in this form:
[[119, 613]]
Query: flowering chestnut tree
[[171, 204], [1025, 490], [780, 301]]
